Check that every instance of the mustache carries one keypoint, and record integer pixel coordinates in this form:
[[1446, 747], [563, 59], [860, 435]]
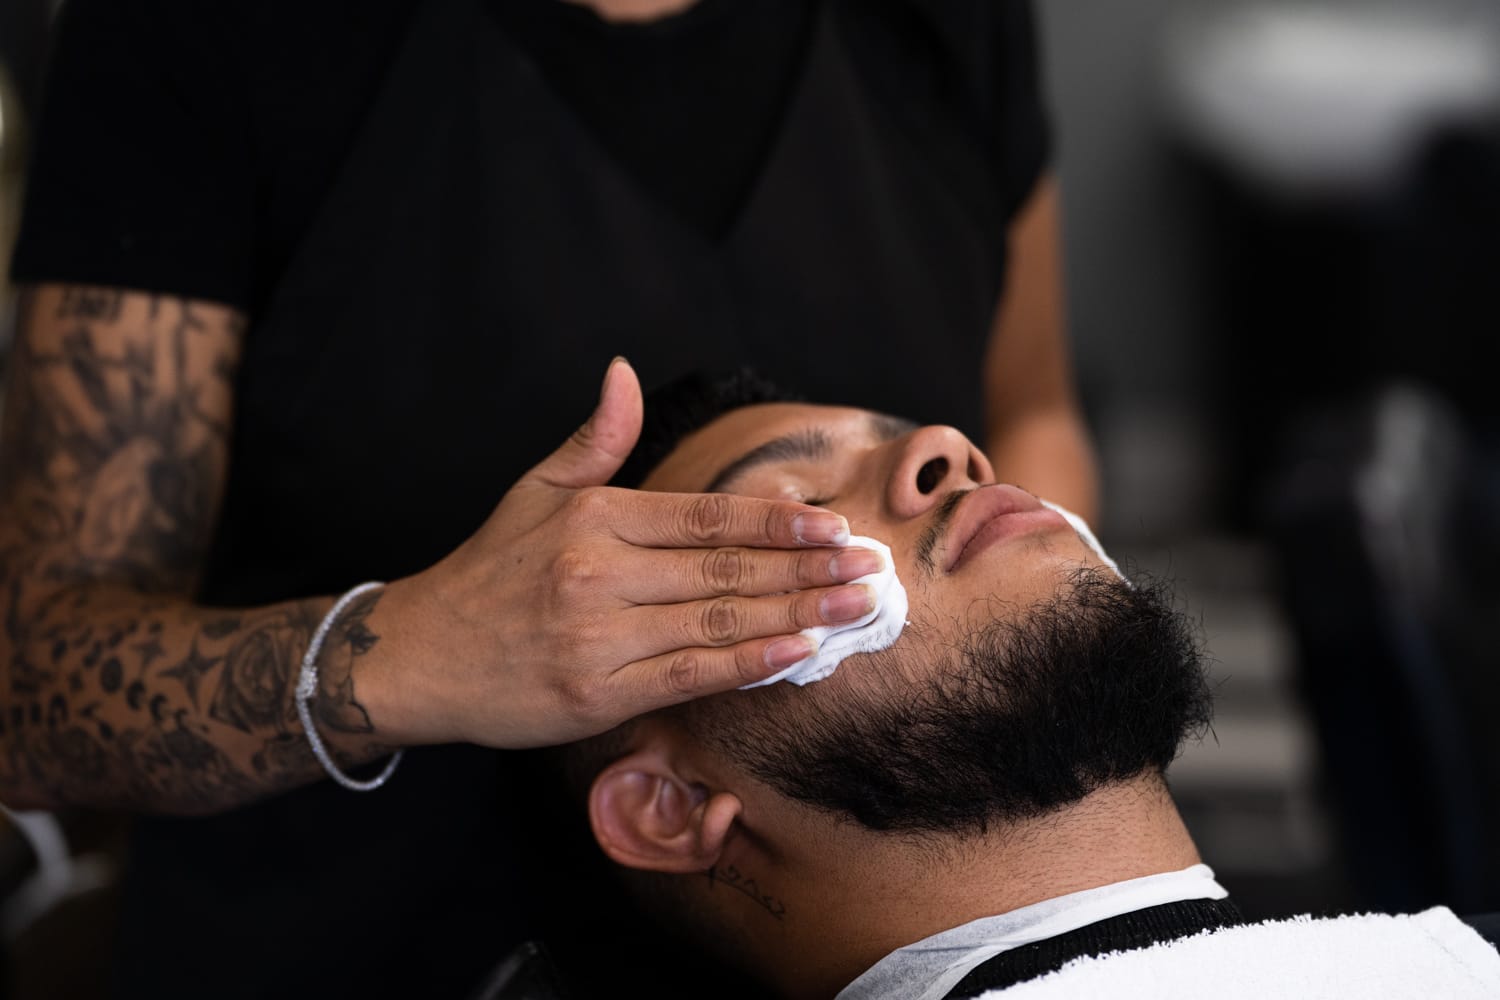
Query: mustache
[[934, 530]]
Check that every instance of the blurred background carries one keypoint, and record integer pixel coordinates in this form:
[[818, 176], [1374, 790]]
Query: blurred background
[[1283, 233]]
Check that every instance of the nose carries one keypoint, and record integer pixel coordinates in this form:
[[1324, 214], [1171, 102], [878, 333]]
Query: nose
[[931, 463]]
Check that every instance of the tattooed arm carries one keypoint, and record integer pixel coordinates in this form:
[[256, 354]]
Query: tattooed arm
[[574, 606], [115, 689]]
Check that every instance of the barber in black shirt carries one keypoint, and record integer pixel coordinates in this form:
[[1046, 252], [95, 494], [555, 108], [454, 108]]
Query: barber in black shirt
[[309, 287]]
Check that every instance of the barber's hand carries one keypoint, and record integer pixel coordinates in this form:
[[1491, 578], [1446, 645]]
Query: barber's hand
[[577, 606]]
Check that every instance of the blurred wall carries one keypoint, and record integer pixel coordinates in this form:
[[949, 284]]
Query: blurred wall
[[1132, 280], [1159, 339], [1129, 246], [1274, 207]]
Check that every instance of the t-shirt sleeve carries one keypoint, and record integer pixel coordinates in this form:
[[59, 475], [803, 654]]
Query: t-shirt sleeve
[[141, 176], [992, 48], [1020, 131]]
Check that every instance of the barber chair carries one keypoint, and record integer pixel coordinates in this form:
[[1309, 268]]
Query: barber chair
[[58, 900], [1385, 515], [527, 973]]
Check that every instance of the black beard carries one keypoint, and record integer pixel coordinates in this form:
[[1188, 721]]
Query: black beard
[[1101, 684]]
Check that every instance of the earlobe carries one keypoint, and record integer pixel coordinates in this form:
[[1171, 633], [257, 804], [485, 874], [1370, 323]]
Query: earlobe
[[646, 815]]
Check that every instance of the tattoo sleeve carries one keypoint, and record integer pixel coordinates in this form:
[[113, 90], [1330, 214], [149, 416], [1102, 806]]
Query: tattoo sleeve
[[117, 689]]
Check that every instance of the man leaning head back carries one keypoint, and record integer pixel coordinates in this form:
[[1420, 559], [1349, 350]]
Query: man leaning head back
[[1007, 749]]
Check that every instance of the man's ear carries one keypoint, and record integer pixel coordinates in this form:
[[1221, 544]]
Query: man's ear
[[647, 815]]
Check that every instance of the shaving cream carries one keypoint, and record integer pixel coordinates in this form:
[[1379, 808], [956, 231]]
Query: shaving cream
[[875, 631], [1082, 527], [880, 628]]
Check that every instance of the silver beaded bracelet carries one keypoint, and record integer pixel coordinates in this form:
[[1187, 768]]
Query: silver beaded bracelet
[[307, 687]]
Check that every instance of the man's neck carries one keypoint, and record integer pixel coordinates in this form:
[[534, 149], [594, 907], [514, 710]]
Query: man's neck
[[855, 896]]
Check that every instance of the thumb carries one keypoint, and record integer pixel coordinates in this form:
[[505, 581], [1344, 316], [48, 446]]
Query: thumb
[[596, 450]]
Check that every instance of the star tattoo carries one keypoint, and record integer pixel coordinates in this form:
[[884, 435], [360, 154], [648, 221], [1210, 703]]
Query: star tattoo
[[191, 670]]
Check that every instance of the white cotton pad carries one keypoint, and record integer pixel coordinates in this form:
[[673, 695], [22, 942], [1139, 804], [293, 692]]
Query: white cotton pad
[[875, 631], [1082, 527]]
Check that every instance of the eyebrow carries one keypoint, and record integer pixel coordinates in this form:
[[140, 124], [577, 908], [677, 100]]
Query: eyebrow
[[805, 445]]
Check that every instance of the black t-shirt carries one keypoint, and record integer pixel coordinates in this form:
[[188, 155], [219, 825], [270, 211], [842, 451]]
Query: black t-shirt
[[188, 147], [185, 147]]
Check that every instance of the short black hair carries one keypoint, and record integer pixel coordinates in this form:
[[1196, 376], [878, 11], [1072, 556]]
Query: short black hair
[[690, 403]]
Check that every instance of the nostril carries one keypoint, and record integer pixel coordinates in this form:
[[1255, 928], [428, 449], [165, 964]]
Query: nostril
[[975, 473], [931, 474]]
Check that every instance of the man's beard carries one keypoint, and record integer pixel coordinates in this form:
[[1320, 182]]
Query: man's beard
[[1029, 713]]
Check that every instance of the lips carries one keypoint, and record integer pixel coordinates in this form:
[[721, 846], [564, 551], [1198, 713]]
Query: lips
[[989, 515]]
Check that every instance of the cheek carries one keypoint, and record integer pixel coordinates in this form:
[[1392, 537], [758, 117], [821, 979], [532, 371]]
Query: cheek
[[1024, 581], [900, 539]]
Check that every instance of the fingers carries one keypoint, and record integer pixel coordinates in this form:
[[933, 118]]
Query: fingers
[[704, 520], [596, 450], [692, 673], [725, 621], [673, 576]]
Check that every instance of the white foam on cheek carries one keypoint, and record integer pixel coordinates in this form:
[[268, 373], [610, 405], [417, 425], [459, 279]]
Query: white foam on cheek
[[1084, 532], [875, 631]]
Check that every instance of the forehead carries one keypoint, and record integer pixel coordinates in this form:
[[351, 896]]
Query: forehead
[[700, 456]]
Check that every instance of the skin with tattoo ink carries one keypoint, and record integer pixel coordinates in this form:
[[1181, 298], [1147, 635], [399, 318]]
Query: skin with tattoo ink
[[121, 690], [115, 445], [730, 876]]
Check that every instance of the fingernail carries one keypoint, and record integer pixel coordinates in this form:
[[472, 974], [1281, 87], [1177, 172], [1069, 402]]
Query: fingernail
[[821, 528], [784, 652], [846, 604], [609, 373], [851, 564]]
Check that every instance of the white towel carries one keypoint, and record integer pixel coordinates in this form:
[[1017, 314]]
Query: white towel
[[1424, 956], [929, 969], [875, 631]]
